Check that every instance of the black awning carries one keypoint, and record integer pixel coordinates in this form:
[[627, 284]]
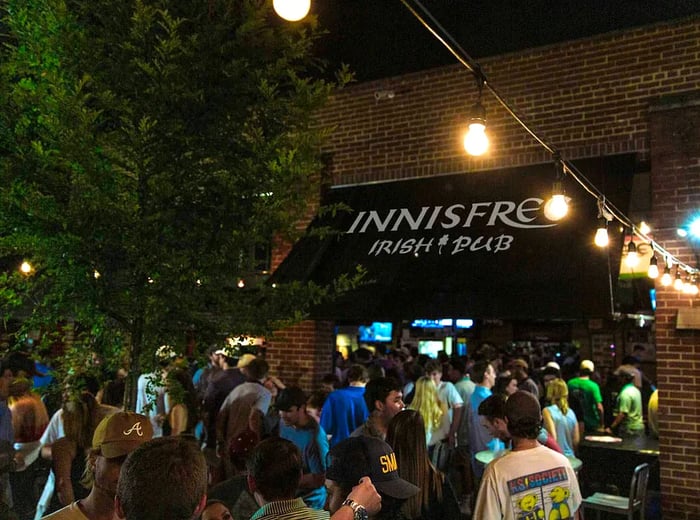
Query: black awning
[[468, 245]]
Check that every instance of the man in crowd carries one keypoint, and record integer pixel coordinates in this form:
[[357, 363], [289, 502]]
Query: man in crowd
[[345, 409], [628, 420], [164, 479], [274, 468], [588, 394], [531, 481], [150, 390], [115, 437], [384, 400], [243, 410], [307, 435], [357, 457], [479, 437]]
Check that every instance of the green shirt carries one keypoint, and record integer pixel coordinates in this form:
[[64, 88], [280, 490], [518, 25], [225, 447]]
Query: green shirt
[[588, 393], [629, 402]]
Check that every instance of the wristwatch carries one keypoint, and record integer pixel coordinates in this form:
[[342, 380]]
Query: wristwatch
[[359, 511]]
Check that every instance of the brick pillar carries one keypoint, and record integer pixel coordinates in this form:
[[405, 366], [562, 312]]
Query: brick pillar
[[302, 354], [675, 184]]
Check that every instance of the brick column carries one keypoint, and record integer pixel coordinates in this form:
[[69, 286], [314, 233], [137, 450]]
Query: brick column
[[675, 179]]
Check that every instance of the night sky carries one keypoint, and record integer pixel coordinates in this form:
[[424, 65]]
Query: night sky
[[381, 38]]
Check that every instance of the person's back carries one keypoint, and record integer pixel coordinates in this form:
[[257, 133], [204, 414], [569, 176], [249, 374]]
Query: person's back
[[345, 409], [588, 393], [531, 481]]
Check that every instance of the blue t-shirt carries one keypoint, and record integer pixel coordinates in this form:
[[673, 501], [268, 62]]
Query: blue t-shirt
[[344, 411], [314, 453]]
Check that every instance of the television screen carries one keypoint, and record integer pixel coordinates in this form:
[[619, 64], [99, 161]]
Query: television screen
[[431, 324], [379, 331], [430, 347], [464, 323]]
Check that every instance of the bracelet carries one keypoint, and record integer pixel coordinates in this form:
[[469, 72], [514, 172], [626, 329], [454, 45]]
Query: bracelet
[[359, 511]]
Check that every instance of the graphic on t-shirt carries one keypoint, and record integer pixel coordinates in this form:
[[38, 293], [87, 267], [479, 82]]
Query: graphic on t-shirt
[[541, 496]]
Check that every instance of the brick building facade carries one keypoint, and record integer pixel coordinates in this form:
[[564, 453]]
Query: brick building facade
[[633, 91]]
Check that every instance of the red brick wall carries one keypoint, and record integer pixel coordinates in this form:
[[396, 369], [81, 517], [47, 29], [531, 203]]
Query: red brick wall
[[675, 161], [587, 98]]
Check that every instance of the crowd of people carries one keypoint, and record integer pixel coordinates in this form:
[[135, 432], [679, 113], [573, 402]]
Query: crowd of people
[[387, 435]]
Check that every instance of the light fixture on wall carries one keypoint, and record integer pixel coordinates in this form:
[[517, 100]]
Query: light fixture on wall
[[292, 10], [476, 142]]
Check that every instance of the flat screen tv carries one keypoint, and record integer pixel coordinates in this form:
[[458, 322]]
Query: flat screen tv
[[378, 331]]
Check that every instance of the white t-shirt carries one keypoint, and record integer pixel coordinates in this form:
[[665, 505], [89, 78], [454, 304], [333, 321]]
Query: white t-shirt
[[528, 484]]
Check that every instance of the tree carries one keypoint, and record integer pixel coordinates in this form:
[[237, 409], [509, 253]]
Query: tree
[[147, 150]]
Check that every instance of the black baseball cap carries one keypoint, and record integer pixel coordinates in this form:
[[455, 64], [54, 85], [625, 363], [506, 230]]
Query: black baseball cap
[[357, 457], [288, 397]]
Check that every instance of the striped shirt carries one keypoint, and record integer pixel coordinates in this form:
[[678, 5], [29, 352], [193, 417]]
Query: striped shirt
[[294, 509]]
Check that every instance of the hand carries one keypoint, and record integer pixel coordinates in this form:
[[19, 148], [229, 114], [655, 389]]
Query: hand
[[366, 494]]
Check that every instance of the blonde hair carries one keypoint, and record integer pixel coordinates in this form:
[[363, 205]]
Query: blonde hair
[[558, 393], [428, 404]]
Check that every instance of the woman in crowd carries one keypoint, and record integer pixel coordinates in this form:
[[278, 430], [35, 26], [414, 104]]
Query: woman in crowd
[[506, 385], [433, 411], [559, 420], [181, 400], [436, 500]]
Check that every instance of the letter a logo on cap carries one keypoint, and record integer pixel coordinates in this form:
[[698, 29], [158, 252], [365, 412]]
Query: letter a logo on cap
[[135, 428]]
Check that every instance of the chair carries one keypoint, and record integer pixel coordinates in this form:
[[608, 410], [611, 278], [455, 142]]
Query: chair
[[622, 505]]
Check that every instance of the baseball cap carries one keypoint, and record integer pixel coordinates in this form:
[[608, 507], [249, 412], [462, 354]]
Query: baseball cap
[[288, 397], [587, 364], [356, 457], [121, 433]]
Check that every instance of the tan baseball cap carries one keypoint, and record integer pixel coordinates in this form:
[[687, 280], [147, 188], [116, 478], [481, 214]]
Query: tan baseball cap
[[121, 433]]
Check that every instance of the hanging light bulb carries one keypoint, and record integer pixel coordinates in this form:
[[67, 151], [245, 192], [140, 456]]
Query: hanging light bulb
[[557, 206], [687, 286], [644, 228], [601, 235], [678, 282], [666, 278], [476, 142], [694, 290], [653, 271], [292, 10], [632, 258], [26, 267]]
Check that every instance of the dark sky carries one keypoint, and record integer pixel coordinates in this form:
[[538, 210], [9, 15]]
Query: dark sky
[[381, 38]]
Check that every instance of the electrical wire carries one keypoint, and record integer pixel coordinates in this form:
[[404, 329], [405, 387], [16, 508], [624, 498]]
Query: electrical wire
[[444, 37]]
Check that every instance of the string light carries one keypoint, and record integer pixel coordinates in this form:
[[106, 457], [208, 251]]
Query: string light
[[666, 278], [601, 235], [556, 207], [26, 268], [653, 271], [632, 258], [678, 282], [476, 142]]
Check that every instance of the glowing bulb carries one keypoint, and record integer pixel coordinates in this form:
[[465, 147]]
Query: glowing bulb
[[678, 282], [601, 236], [694, 289], [644, 228], [96, 274], [666, 278], [241, 283], [632, 259], [557, 207], [26, 267], [687, 287], [292, 10], [476, 142], [653, 271]]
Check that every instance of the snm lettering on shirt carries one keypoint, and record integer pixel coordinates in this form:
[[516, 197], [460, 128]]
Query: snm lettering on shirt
[[388, 463], [536, 480]]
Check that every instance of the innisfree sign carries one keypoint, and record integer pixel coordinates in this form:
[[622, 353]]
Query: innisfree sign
[[470, 244]]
